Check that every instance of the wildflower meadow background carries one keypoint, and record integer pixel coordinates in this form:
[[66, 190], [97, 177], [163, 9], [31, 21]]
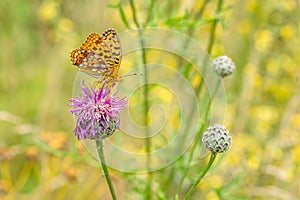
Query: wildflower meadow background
[[40, 158]]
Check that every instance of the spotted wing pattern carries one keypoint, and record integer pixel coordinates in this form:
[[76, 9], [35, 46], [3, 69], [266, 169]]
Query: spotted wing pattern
[[99, 56]]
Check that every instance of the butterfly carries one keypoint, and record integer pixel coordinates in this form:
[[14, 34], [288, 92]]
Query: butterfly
[[100, 56]]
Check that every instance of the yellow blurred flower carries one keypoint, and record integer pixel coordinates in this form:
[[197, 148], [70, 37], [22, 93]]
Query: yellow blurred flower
[[56, 140], [245, 27], [65, 25], [71, 173], [163, 94], [203, 185], [276, 153], [265, 116], [289, 64], [283, 91], [236, 158], [218, 49], [211, 195], [252, 6], [257, 83], [289, 5], [287, 32], [273, 67], [295, 122], [216, 181], [296, 155], [252, 75], [48, 10], [195, 80], [292, 71], [7, 153], [263, 40], [31, 153], [253, 161]]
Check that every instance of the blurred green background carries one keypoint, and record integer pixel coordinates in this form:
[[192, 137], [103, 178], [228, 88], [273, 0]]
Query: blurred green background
[[41, 159]]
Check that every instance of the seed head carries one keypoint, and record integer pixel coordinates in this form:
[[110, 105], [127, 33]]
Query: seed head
[[223, 66], [216, 139]]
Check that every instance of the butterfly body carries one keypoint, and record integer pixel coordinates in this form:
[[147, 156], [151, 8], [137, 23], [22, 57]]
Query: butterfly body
[[99, 56]]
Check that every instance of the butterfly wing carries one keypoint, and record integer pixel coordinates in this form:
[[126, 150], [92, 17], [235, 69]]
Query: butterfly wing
[[99, 56]]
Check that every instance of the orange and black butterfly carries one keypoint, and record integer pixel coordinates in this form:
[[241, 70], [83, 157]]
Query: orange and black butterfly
[[100, 56]]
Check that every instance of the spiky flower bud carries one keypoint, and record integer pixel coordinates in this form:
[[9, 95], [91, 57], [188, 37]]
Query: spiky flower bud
[[223, 66], [216, 139]]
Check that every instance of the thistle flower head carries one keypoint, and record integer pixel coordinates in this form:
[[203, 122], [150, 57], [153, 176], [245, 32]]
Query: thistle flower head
[[97, 112], [223, 66], [216, 139]]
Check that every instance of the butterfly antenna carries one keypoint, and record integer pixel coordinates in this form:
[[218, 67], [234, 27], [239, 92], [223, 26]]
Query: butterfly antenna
[[134, 74]]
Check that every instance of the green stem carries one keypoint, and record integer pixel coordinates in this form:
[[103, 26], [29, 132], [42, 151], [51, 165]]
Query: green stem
[[186, 43], [190, 33], [213, 28], [149, 17], [146, 104], [211, 40], [99, 145], [146, 108], [209, 48], [199, 134], [198, 89], [211, 160], [134, 13]]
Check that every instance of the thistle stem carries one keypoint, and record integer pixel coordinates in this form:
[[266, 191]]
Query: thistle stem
[[99, 145], [211, 160]]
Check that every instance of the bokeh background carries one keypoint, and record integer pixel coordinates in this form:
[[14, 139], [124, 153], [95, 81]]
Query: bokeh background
[[41, 159]]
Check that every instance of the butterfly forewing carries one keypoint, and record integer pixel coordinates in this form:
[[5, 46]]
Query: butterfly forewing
[[99, 56]]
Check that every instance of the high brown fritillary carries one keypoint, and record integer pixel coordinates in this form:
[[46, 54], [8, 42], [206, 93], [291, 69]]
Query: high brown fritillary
[[99, 56]]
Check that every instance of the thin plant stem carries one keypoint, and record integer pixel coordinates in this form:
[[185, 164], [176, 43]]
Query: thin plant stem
[[146, 108], [134, 13], [211, 40], [198, 89], [197, 138], [190, 33], [149, 17], [146, 104], [186, 43], [211, 160], [213, 28], [99, 145], [209, 48]]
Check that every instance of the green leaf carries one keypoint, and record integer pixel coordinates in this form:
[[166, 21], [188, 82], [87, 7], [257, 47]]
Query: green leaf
[[31, 183], [176, 197], [161, 195], [113, 6], [223, 23], [182, 22], [123, 16]]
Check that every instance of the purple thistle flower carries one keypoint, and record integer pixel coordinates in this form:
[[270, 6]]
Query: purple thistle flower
[[98, 112]]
